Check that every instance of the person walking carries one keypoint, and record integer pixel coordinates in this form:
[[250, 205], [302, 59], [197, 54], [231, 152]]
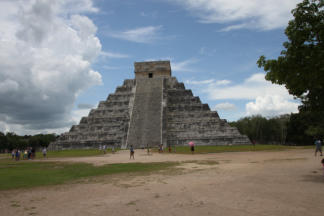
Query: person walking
[[131, 153], [318, 145], [44, 151]]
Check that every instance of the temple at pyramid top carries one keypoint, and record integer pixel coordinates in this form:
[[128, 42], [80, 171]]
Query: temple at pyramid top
[[152, 69], [151, 110]]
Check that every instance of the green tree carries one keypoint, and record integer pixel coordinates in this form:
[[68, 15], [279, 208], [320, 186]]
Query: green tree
[[3, 142], [300, 67]]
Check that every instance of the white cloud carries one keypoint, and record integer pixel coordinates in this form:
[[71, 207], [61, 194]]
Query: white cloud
[[250, 89], [113, 55], [47, 48], [271, 105], [147, 34], [201, 82], [270, 99], [183, 66], [222, 82], [85, 106], [209, 82], [259, 14], [224, 106]]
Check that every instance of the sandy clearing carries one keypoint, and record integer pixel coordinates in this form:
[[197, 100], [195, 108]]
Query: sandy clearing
[[243, 183]]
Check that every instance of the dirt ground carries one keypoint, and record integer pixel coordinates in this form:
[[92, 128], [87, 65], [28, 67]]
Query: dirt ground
[[244, 183]]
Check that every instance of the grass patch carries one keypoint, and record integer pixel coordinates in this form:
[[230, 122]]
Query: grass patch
[[64, 153], [233, 148], [26, 174], [72, 153]]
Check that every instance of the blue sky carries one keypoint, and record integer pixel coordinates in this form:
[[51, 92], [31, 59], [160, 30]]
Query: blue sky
[[60, 58]]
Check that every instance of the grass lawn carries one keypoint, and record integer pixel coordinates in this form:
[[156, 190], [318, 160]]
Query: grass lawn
[[233, 148], [65, 153], [26, 174]]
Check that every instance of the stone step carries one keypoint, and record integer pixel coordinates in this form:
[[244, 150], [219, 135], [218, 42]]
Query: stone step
[[179, 93], [124, 89], [109, 111], [145, 126], [192, 114], [111, 104], [184, 100], [191, 107]]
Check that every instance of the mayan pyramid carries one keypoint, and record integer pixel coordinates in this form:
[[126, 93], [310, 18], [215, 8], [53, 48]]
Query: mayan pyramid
[[150, 110]]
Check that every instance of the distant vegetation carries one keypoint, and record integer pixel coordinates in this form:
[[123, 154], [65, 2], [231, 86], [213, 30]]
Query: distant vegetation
[[11, 141], [284, 130]]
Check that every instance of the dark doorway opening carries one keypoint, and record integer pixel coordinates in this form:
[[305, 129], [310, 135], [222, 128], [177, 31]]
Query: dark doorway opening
[[150, 75]]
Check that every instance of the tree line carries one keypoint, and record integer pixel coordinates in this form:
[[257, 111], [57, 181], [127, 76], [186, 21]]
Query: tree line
[[10, 141], [289, 129]]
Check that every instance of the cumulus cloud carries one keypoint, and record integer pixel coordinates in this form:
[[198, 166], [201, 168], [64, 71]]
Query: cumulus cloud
[[271, 105], [147, 34], [250, 89], [264, 97], [224, 106], [259, 14], [47, 48]]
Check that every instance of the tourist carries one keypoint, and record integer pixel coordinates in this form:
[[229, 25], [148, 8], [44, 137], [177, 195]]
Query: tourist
[[17, 155], [104, 148], [113, 149], [33, 153], [131, 152], [323, 165], [25, 154], [44, 151], [192, 146], [161, 148], [29, 154], [13, 154], [318, 144]]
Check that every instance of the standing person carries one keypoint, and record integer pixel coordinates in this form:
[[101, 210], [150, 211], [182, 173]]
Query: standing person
[[192, 147], [33, 153], [44, 151], [323, 165], [29, 154], [131, 149], [318, 144], [113, 149], [104, 149], [13, 154], [161, 148], [17, 155], [25, 154]]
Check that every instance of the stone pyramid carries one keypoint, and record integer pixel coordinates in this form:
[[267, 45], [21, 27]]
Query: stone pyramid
[[150, 110]]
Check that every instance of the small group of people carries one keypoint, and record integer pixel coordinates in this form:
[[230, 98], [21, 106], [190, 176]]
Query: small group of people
[[105, 147], [28, 153]]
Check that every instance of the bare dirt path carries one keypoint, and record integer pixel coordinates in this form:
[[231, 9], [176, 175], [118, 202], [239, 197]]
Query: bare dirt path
[[244, 183]]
